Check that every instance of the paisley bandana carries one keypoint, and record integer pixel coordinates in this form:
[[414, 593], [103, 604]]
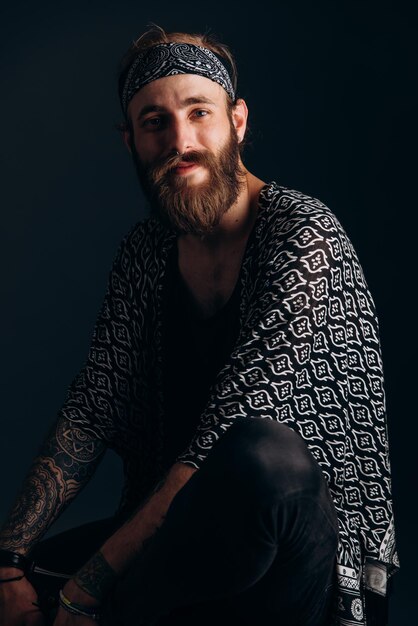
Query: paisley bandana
[[169, 59]]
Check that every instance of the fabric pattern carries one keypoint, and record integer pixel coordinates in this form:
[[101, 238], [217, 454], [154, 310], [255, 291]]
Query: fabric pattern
[[307, 355], [170, 59]]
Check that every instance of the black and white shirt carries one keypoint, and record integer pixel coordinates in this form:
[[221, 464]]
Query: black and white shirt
[[307, 354]]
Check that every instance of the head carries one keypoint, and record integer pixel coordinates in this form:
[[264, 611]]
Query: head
[[184, 127]]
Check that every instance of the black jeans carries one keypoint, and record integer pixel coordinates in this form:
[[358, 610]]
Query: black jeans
[[251, 538]]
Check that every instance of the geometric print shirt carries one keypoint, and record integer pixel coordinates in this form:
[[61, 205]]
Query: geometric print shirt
[[307, 355]]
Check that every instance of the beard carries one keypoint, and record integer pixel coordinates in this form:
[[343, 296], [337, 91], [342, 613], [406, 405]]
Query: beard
[[193, 208]]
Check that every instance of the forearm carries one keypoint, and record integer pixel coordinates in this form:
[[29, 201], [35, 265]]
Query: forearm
[[121, 548], [66, 462]]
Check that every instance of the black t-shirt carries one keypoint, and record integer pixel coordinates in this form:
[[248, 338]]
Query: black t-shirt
[[195, 350]]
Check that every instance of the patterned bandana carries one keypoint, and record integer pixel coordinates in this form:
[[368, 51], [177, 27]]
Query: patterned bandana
[[169, 59]]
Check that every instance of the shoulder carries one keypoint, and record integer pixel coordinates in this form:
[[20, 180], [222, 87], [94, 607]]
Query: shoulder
[[294, 225], [143, 243], [285, 210], [292, 219], [146, 231]]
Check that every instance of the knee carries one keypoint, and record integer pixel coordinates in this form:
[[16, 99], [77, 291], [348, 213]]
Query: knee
[[272, 458]]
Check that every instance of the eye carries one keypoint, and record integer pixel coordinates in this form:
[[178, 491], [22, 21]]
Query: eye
[[152, 122], [201, 113]]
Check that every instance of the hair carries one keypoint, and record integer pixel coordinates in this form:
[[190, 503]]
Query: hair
[[155, 35]]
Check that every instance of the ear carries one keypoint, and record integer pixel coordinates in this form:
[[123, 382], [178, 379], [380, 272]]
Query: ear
[[127, 139], [239, 118]]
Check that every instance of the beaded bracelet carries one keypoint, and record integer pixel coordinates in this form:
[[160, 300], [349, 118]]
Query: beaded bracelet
[[78, 609]]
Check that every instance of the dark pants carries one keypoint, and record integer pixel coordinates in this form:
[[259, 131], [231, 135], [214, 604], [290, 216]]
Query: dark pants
[[250, 539]]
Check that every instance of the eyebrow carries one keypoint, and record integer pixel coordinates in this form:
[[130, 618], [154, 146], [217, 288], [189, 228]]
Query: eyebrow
[[155, 108]]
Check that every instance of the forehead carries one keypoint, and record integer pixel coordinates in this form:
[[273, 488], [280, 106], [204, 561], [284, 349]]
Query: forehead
[[171, 91]]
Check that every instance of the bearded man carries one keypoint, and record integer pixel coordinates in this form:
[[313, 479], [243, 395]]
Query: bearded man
[[235, 367]]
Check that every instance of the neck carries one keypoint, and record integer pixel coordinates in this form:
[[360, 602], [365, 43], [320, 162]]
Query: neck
[[235, 225]]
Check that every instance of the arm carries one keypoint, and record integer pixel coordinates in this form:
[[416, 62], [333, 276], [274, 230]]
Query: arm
[[88, 418], [67, 460], [75, 445], [93, 581]]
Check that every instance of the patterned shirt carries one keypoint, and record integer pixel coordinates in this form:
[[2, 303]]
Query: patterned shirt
[[307, 355]]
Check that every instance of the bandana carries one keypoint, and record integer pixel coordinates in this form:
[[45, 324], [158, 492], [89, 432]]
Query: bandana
[[170, 59]]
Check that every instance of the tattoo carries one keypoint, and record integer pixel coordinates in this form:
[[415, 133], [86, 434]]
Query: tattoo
[[67, 460], [76, 442], [96, 577], [43, 492]]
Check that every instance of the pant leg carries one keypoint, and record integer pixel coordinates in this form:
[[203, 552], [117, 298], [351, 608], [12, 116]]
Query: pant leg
[[253, 533]]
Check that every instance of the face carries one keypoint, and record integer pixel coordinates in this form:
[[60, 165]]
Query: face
[[185, 145]]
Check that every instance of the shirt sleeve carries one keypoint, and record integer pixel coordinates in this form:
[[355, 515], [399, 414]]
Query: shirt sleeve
[[100, 396]]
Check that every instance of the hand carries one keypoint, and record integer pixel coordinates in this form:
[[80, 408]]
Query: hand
[[77, 595], [16, 598]]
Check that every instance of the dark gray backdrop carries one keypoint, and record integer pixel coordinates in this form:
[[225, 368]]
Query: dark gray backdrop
[[330, 88]]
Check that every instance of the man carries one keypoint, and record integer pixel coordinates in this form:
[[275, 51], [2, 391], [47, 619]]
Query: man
[[236, 368]]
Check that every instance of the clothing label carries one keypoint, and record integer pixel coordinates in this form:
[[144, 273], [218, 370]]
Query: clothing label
[[376, 577]]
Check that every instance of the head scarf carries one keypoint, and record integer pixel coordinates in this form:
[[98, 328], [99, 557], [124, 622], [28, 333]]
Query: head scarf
[[170, 59]]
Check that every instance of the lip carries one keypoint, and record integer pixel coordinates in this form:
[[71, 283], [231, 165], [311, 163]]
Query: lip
[[185, 168]]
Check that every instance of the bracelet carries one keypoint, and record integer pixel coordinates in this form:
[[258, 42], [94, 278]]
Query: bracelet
[[78, 609], [13, 559], [10, 580]]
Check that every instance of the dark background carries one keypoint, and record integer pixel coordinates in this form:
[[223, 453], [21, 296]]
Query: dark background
[[332, 97]]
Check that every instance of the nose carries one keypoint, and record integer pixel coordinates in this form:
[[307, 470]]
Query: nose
[[180, 137]]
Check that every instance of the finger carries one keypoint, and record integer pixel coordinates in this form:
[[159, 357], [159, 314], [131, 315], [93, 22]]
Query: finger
[[34, 618]]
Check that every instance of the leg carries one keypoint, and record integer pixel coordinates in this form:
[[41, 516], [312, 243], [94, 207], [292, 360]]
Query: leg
[[254, 530]]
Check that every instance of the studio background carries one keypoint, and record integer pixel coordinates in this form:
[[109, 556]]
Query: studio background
[[331, 93]]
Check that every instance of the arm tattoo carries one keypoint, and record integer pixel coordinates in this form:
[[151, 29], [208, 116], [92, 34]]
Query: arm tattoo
[[67, 461], [77, 443], [96, 577]]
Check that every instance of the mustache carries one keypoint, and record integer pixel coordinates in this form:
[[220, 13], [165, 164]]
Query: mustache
[[163, 166]]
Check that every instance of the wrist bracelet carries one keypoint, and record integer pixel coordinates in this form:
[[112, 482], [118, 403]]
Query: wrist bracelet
[[78, 609], [13, 559]]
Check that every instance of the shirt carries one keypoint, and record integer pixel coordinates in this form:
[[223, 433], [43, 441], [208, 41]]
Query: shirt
[[307, 354], [194, 350]]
